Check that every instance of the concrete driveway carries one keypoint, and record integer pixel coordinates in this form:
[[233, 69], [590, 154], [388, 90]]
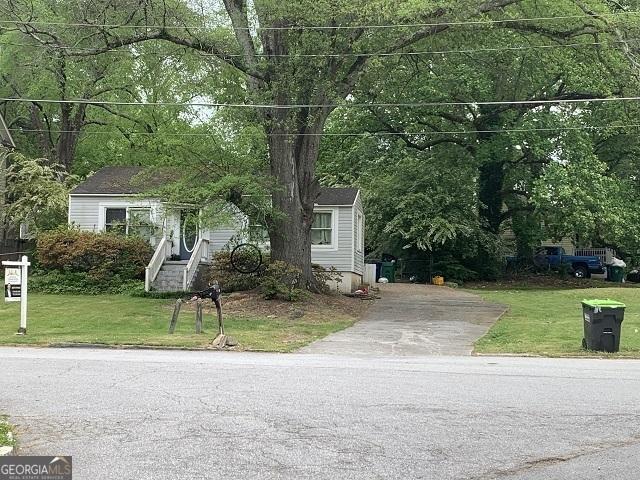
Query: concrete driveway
[[415, 320]]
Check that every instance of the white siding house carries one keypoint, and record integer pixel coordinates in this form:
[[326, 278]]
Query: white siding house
[[109, 199]]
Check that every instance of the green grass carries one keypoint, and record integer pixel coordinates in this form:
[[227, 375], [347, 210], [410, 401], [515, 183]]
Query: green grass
[[6, 435], [124, 320], [549, 322]]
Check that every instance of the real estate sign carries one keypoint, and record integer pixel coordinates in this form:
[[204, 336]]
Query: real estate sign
[[12, 284], [15, 287]]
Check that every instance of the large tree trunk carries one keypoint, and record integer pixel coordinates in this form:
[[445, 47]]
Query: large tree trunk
[[491, 184], [491, 171], [291, 234], [66, 150], [293, 159], [526, 228]]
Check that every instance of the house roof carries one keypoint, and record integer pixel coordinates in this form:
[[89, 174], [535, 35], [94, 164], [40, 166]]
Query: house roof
[[123, 181], [120, 181], [337, 196]]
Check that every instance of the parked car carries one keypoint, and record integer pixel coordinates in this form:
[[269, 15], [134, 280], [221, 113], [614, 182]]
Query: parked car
[[554, 257]]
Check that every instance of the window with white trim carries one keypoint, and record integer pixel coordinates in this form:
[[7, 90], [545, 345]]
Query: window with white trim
[[134, 221], [139, 223], [115, 220], [322, 229], [258, 234], [359, 233]]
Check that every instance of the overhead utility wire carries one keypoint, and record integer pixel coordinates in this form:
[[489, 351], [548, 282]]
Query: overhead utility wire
[[358, 134], [322, 105], [324, 27], [338, 55]]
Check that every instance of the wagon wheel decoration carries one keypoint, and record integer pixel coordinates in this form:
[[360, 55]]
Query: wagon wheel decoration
[[246, 258]]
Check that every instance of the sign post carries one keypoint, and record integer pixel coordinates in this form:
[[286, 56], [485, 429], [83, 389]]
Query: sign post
[[15, 288]]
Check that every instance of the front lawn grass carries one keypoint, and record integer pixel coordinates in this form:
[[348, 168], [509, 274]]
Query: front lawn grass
[[125, 320], [6, 434], [549, 322]]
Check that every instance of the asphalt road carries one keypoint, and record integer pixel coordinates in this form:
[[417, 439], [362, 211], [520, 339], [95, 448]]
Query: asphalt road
[[415, 320], [197, 415]]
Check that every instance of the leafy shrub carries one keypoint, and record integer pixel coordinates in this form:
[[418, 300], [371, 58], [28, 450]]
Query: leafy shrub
[[80, 283], [37, 195], [458, 273], [282, 280], [228, 278], [453, 270], [325, 276], [272, 278], [100, 256], [564, 270]]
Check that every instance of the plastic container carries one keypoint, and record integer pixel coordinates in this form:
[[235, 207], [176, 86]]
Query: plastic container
[[616, 274], [602, 324], [388, 270]]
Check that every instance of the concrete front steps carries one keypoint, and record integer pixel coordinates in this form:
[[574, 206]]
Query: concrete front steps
[[171, 275]]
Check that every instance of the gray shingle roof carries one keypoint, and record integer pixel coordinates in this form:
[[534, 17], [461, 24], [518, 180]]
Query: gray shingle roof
[[337, 196], [120, 180], [123, 181]]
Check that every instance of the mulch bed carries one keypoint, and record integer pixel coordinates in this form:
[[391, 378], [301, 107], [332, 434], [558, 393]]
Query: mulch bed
[[252, 304]]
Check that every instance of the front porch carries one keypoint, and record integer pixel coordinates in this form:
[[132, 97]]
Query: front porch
[[181, 254], [166, 275]]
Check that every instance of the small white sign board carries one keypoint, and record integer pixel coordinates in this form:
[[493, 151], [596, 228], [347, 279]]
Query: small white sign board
[[12, 284], [15, 287]]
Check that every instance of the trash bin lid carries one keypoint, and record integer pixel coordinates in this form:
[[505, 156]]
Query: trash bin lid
[[603, 304]]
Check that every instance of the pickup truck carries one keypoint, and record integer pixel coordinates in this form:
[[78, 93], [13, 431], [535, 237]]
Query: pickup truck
[[554, 256]]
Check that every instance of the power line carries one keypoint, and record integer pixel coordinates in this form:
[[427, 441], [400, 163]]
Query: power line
[[337, 55], [323, 27], [81, 101], [355, 134]]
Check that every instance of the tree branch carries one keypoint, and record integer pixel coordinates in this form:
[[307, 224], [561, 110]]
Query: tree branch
[[353, 72], [406, 138], [148, 128], [237, 11], [113, 41]]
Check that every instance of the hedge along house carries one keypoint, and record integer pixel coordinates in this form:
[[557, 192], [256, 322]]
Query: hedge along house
[[113, 200]]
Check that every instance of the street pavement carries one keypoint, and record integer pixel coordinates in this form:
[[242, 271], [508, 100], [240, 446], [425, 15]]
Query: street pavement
[[137, 414], [414, 319]]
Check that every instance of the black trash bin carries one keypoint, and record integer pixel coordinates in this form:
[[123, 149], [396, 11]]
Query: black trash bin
[[602, 324], [378, 269]]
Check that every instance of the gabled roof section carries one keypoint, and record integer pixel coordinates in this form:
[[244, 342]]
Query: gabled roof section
[[337, 196], [123, 181], [5, 135]]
